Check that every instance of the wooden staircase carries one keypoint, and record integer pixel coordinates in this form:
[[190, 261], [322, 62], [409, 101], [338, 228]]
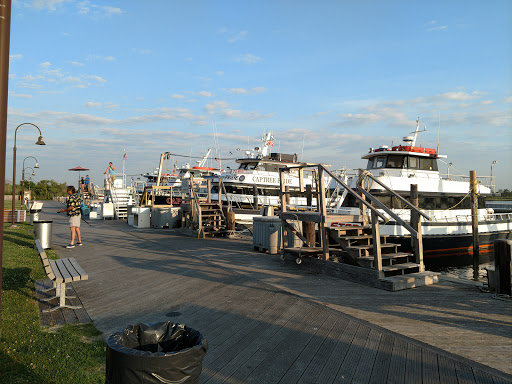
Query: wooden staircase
[[357, 243], [202, 219], [370, 258]]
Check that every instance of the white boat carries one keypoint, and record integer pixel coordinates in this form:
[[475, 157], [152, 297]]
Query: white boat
[[255, 183], [445, 198]]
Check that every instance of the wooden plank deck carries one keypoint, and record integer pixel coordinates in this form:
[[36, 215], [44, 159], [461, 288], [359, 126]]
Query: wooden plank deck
[[269, 321]]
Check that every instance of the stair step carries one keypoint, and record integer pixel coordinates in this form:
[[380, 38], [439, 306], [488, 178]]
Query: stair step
[[398, 267], [360, 237], [410, 280], [387, 256], [385, 245]]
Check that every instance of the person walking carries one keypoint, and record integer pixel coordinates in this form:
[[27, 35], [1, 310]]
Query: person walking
[[73, 211], [111, 171]]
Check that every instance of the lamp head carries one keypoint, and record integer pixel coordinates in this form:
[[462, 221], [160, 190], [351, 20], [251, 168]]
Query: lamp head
[[40, 141], [33, 173], [36, 166]]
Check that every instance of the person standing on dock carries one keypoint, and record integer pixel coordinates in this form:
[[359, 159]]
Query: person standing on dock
[[73, 210], [111, 171], [87, 181]]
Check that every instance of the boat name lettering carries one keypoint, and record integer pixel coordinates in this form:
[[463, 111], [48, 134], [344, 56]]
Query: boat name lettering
[[229, 177], [269, 180]]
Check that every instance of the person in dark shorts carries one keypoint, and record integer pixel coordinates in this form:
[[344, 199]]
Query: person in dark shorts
[[73, 210]]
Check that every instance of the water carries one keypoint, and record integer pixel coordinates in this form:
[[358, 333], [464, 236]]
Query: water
[[466, 272]]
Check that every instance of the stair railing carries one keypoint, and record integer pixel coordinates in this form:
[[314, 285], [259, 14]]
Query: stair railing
[[415, 229]]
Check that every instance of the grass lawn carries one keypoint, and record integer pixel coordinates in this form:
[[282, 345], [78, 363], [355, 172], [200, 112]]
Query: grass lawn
[[28, 354]]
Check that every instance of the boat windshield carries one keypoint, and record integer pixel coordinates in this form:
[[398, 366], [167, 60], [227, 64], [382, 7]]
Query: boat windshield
[[401, 161], [251, 165]]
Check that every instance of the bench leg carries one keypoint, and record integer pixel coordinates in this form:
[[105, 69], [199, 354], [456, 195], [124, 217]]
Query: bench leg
[[60, 292]]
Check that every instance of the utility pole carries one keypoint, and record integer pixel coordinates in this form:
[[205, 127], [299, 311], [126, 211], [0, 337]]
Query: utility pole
[[5, 37], [474, 223]]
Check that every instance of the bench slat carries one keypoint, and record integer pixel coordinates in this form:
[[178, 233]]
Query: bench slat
[[75, 275], [58, 275], [49, 272], [63, 270], [83, 274]]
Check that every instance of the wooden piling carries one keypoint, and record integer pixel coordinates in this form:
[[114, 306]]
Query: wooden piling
[[417, 242], [309, 196], [230, 220], [503, 266], [308, 229], [474, 223]]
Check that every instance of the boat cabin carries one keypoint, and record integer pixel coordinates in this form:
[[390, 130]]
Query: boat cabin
[[270, 163], [400, 157]]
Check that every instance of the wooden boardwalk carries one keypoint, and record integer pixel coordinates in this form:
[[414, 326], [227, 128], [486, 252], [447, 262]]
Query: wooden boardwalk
[[268, 321]]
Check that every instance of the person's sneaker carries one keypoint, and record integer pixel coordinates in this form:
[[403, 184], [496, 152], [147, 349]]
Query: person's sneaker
[[70, 246], [79, 244]]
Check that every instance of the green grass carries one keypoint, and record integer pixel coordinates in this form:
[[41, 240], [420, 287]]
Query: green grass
[[28, 353]]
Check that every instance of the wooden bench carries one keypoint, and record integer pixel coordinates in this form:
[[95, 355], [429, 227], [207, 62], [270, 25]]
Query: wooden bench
[[60, 271]]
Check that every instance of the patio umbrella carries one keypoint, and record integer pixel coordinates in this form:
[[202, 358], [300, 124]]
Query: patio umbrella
[[78, 169]]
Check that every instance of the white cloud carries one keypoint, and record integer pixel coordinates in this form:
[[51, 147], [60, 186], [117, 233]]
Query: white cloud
[[177, 96], [46, 64], [71, 79], [50, 5], [21, 95], [92, 104], [432, 26], [237, 37], [97, 78], [219, 73], [508, 99], [96, 12], [15, 57], [237, 91], [248, 58], [77, 63], [204, 94], [243, 91]]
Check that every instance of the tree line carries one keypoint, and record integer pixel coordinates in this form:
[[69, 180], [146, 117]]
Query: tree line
[[42, 190]]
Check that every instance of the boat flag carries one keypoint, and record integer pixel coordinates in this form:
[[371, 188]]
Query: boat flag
[[124, 155]]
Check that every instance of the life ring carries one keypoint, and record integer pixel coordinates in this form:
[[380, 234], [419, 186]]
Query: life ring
[[169, 200]]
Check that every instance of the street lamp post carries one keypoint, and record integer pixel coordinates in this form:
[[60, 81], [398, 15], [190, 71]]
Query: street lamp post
[[23, 177], [493, 185], [38, 142]]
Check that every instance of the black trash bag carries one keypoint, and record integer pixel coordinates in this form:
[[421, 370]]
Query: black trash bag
[[154, 354]]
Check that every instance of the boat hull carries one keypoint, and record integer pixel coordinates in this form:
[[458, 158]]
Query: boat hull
[[453, 250]]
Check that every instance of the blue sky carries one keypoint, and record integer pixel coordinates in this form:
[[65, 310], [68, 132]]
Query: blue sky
[[329, 78]]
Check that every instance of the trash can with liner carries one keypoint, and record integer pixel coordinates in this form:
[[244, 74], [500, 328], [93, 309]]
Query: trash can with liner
[[157, 353]]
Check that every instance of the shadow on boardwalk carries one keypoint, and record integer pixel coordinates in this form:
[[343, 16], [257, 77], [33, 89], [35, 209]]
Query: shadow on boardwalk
[[271, 321]]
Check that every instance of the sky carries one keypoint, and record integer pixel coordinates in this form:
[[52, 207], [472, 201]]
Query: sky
[[330, 79]]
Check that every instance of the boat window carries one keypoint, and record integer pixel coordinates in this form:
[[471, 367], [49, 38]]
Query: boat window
[[271, 167], [428, 164], [395, 161], [379, 162], [370, 164], [248, 165], [411, 162]]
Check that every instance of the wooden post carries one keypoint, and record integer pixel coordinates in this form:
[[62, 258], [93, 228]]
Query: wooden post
[[503, 266], [281, 190], [308, 229], [230, 218], [364, 209], [323, 213], [474, 223], [377, 256], [309, 196], [254, 196], [301, 180], [287, 194], [209, 186], [417, 242]]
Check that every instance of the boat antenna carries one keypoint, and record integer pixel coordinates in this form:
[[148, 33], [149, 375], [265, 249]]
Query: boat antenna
[[438, 128]]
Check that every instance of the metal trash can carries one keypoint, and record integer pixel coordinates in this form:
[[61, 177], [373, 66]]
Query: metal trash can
[[34, 215], [155, 353], [43, 232]]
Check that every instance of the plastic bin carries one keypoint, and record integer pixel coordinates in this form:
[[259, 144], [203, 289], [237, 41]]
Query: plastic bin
[[43, 232], [154, 354]]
